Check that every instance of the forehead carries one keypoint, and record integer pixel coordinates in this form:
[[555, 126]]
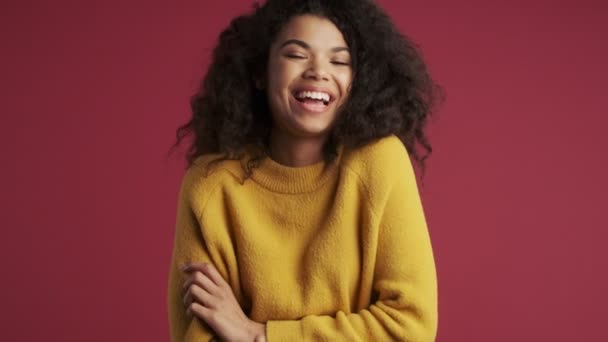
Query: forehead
[[317, 31]]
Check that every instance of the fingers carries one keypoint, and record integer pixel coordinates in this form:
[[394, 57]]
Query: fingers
[[209, 270], [204, 288], [201, 280], [215, 276], [195, 294], [199, 311], [260, 338]]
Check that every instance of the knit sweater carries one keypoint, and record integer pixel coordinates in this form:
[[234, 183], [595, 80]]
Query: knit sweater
[[326, 252]]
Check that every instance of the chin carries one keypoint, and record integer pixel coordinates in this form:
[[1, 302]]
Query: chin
[[311, 131]]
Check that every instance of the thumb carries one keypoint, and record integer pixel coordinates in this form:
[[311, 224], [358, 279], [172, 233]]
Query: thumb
[[260, 338]]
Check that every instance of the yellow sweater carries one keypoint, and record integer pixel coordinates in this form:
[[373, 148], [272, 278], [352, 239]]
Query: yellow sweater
[[336, 253]]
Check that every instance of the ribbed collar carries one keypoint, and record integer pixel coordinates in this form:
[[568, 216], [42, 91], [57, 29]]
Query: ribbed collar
[[292, 180]]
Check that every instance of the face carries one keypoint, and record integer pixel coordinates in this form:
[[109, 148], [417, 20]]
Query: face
[[309, 77]]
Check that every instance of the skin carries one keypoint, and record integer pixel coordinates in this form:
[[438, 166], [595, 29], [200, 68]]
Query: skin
[[210, 298], [317, 56], [309, 51]]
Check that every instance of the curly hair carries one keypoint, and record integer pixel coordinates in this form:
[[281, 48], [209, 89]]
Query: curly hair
[[391, 92]]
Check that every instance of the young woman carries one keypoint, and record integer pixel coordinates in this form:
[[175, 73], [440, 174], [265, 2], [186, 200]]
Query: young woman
[[299, 217]]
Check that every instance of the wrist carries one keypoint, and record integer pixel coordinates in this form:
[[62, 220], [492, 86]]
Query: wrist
[[257, 331]]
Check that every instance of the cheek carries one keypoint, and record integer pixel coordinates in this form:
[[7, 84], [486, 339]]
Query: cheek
[[345, 83], [277, 91], [282, 73]]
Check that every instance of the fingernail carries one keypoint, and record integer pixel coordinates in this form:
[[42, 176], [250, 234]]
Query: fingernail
[[183, 268]]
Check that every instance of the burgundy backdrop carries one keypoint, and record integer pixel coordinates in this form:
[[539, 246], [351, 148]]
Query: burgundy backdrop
[[515, 192]]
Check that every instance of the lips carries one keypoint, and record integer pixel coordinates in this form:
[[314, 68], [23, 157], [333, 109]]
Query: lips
[[299, 89], [310, 105]]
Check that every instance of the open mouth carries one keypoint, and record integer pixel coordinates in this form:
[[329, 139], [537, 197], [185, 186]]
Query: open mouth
[[314, 98], [315, 103]]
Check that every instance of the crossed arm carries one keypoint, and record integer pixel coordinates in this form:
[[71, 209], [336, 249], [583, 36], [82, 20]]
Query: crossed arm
[[405, 280]]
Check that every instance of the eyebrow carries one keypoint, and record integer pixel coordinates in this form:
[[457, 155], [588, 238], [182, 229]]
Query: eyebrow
[[307, 47]]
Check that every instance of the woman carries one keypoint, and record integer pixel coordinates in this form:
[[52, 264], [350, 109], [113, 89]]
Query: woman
[[299, 217]]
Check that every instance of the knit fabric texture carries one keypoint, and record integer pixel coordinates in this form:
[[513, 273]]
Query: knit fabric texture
[[328, 252]]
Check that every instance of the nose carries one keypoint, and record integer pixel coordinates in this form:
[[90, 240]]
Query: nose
[[316, 71]]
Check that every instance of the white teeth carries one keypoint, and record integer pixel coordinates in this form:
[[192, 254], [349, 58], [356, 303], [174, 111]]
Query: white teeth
[[317, 95]]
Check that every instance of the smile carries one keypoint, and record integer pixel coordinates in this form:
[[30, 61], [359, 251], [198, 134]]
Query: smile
[[313, 99], [316, 102]]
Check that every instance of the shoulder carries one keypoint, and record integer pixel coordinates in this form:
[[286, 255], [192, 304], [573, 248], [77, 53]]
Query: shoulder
[[205, 174], [381, 167], [384, 171], [383, 158]]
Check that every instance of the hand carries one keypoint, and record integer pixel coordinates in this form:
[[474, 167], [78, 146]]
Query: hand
[[209, 297]]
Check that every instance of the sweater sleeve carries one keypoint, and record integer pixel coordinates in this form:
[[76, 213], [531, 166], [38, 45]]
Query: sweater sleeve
[[188, 247], [404, 281]]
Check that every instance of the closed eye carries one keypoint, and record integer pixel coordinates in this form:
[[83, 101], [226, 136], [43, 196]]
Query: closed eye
[[339, 63]]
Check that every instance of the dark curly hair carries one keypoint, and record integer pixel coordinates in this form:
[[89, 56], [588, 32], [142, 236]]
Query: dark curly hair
[[392, 91]]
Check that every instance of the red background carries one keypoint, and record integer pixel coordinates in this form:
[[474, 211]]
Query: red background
[[91, 93]]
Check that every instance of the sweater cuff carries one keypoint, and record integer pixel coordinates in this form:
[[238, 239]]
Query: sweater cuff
[[277, 331]]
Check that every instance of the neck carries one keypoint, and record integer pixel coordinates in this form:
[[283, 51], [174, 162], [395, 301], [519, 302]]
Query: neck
[[295, 151]]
